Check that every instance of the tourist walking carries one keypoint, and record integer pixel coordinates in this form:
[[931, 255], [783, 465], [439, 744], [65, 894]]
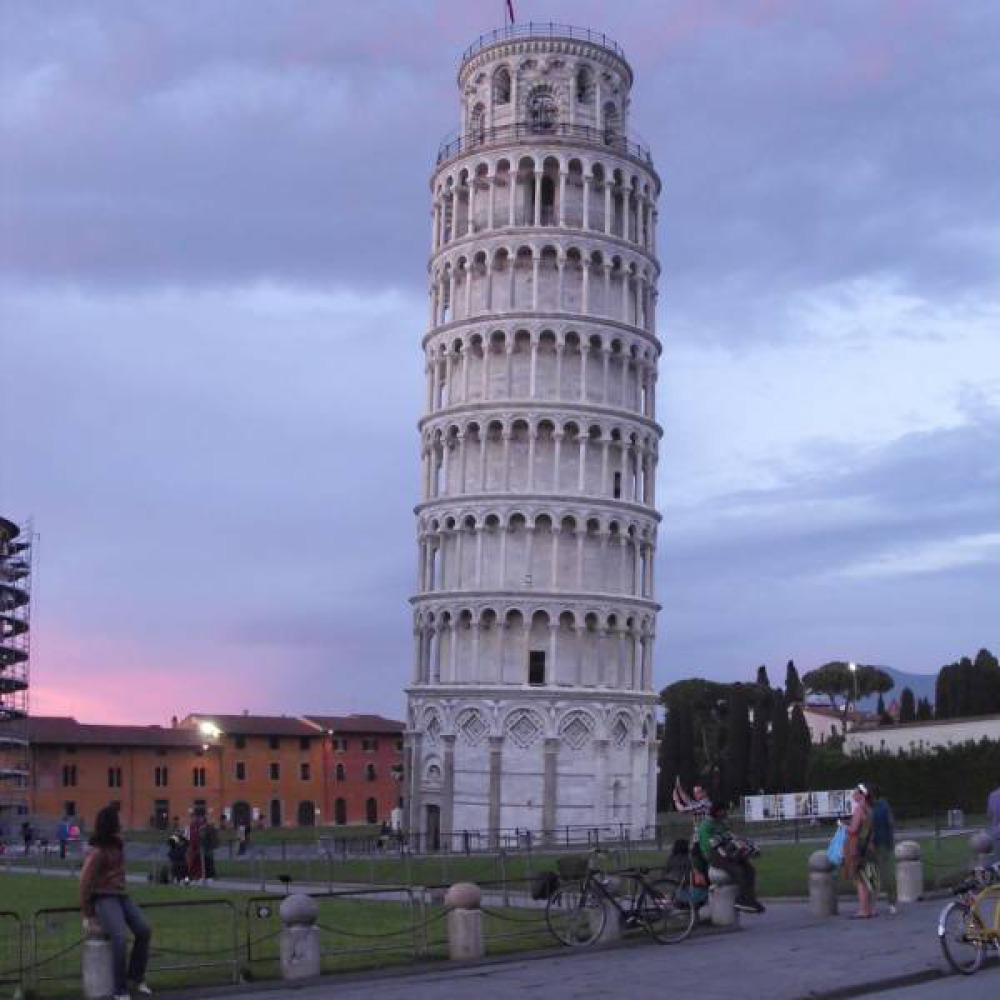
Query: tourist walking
[[859, 831], [884, 843], [105, 902], [722, 850]]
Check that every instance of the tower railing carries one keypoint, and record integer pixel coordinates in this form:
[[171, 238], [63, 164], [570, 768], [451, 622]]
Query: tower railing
[[455, 145], [542, 29]]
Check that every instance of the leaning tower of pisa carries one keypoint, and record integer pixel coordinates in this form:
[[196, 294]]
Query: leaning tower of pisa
[[531, 704]]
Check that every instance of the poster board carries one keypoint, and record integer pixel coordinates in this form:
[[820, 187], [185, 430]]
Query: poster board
[[796, 805]]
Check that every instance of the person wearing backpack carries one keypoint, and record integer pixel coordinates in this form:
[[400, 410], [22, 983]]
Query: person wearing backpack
[[884, 842]]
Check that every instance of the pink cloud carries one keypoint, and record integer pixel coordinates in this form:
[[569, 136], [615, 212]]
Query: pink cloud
[[111, 680]]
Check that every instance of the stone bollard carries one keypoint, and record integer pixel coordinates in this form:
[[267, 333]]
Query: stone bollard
[[909, 872], [981, 845], [722, 899], [822, 885], [465, 922], [97, 966], [300, 946]]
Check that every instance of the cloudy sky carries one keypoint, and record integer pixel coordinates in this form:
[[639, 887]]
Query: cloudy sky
[[213, 240]]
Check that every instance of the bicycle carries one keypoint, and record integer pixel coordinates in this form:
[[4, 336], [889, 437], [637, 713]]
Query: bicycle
[[577, 914], [966, 928]]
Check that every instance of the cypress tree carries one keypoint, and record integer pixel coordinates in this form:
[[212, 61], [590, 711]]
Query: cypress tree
[[907, 706], [762, 679], [737, 746], [757, 762], [799, 748], [793, 684], [924, 711], [777, 769]]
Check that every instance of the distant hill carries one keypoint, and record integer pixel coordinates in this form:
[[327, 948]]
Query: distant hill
[[922, 686]]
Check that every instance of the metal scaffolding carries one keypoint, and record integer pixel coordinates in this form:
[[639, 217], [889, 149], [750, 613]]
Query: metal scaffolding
[[16, 545]]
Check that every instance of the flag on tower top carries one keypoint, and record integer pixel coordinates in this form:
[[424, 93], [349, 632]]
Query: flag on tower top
[[510, 10]]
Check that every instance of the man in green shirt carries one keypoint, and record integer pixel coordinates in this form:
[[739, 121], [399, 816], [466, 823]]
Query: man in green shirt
[[722, 850]]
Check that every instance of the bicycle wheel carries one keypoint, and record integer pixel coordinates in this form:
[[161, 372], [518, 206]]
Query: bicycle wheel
[[575, 918], [962, 937], [667, 910]]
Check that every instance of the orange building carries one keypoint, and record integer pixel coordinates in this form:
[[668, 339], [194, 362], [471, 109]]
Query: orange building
[[271, 767], [363, 763], [244, 769], [155, 774]]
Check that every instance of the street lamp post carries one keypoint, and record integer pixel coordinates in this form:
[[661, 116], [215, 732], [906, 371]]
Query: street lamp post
[[853, 667]]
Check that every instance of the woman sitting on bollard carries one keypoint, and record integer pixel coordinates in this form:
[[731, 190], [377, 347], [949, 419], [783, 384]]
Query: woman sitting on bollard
[[107, 907]]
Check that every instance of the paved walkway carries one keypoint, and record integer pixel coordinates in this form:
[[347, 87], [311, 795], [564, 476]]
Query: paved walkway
[[784, 955]]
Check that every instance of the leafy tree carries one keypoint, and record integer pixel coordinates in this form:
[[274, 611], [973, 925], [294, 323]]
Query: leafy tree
[[762, 679], [793, 685], [843, 686], [798, 753], [907, 706], [777, 763]]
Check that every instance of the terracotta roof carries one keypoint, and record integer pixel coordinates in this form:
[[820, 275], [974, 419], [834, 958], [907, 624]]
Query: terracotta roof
[[254, 725], [48, 729], [357, 723]]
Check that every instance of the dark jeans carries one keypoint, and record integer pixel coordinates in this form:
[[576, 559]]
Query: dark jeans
[[209, 864], [115, 914], [742, 873]]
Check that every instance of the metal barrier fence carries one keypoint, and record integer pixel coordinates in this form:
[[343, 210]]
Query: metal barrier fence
[[11, 947], [187, 935], [354, 925]]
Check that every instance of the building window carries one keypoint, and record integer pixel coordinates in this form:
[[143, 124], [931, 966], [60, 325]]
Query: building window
[[542, 110], [241, 770], [399, 746], [304, 742], [501, 86], [371, 811], [536, 667], [369, 745], [340, 812], [274, 742], [340, 744], [584, 86], [69, 808], [617, 490], [369, 772], [160, 777], [274, 768], [114, 777], [240, 742], [304, 770], [69, 775], [341, 772], [198, 777]]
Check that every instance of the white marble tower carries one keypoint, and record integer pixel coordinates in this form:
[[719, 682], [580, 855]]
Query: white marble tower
[[531, 703]]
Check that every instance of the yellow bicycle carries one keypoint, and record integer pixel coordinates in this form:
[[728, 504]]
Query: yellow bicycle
[[969, 926]]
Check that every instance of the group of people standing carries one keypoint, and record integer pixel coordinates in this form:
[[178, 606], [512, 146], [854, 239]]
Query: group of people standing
[[191, 850], [868, 854]]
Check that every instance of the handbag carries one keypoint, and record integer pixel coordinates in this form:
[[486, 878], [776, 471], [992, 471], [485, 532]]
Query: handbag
[[835, 852]]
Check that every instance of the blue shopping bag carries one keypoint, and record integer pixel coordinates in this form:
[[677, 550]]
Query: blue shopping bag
[[835, 852]]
